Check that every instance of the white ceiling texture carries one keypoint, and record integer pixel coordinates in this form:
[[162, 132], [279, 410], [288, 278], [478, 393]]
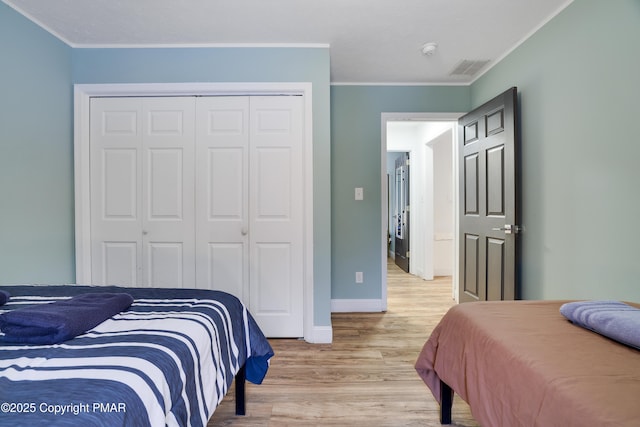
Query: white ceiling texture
[[370, 41]]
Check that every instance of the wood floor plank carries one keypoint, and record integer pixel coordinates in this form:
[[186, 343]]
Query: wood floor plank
[[364, 378]]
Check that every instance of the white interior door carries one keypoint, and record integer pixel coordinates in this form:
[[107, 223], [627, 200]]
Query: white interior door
[[116, 210], [276, 214], [249, 203], [168, 237], [222, 158], [142, 191]]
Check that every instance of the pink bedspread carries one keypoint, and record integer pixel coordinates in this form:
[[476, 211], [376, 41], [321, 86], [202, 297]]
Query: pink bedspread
[[521, 363]]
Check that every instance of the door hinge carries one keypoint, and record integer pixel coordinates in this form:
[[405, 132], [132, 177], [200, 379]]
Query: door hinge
[[408, 162], [407, 254]]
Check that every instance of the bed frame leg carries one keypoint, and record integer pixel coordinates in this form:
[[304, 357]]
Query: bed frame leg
[[240, 395], [446, 395]]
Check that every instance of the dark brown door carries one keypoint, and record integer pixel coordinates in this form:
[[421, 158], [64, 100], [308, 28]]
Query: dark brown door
[[402, 212], [488, 140]]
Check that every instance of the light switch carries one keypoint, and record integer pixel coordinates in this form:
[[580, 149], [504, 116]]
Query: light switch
[[359, 193]]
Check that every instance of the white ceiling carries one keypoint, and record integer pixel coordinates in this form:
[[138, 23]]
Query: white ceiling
[[371, 41]]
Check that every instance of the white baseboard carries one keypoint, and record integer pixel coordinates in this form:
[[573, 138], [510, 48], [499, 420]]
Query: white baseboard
[[320, 335], [356, 306]]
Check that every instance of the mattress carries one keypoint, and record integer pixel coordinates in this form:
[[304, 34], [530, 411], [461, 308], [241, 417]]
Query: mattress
[[167, 360], [521, 363]]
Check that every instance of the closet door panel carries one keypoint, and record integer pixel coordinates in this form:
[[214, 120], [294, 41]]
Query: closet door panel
[[164, 265], [221, 187], [142, 191], [119, 192], [273, 178], [166, 187], [226, 263], [119, 263], [225, 176], [272, 287], [276, 214], [115, 187], [168, 229]]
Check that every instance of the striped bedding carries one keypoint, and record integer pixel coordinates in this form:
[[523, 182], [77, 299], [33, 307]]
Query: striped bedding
[[168, 360]]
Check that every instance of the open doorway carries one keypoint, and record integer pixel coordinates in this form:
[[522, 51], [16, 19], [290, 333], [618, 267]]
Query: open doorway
[[428, 138]]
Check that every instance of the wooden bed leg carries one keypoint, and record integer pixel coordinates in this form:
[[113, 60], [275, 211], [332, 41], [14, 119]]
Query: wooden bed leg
[[446, 395], [240, 395]]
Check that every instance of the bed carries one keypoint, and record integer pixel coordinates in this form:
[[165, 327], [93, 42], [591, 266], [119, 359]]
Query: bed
[[169, 359], [522, 363]]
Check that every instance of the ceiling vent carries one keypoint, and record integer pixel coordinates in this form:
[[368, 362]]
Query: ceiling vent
[[469, 67]]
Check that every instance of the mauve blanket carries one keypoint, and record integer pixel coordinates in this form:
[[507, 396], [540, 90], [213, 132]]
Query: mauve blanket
[[62, 320], [521, 364], [613, 319]]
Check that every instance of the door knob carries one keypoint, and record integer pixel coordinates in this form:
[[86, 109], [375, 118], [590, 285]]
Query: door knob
[[244, 231], [510, 229]]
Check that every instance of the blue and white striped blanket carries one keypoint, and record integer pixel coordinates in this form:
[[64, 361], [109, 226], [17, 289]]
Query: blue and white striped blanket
[[168, 360]]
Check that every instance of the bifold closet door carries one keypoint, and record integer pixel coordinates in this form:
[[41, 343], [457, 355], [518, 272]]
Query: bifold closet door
[[249, 186], [142, 191], [202, 192]]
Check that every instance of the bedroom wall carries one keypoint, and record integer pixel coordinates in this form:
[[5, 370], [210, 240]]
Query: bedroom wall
[[246, 64], [356, 241], [36, 136], [580, 203], [579, 83], [36, 154]]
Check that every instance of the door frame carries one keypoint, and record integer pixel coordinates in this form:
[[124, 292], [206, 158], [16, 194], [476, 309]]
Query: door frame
[[423, 117], [82, 98]]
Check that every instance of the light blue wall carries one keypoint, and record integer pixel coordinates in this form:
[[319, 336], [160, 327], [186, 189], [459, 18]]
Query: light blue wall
[[579, 79], [36, 136], [579, 82], [36, 154], [356, 112], [238, 65]]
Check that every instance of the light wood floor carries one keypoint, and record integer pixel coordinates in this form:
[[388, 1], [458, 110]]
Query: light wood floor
[[364, 378]]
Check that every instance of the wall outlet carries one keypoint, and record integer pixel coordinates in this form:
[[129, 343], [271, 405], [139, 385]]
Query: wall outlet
[[359, 277]]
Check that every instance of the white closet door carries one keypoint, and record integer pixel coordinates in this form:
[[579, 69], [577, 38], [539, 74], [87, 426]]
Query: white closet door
[[249, 205], [116, 209], [168, 233], [202, 192], [142, 191], [222, 158], [276, 214]]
